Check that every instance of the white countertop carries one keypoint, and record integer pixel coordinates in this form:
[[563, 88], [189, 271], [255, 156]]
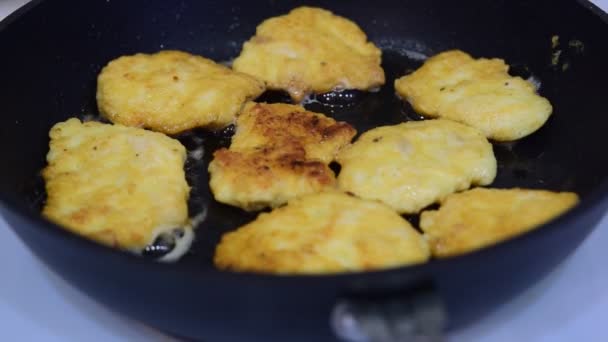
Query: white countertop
[[571, 304]]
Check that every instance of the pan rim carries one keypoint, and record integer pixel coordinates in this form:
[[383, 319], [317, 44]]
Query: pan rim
[[595, 9], [18, 13]]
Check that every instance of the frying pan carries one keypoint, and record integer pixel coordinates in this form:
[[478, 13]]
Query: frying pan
[[53, 50]]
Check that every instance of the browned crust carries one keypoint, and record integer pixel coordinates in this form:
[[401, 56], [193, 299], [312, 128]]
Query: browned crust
[[298, 127], [278, 152], [266, 163]]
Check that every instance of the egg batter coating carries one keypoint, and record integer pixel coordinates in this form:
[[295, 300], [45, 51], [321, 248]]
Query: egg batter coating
[[477, 92], [120, 186], [414, 164], [311, 50], [323, 233], [279, 151], [480, 217], [172, 92]]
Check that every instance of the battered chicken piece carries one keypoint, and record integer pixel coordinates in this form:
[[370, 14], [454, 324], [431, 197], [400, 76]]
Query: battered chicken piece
[[262, 124], [323, 233], [311, 50], [476, 92], [480, 217], [279, 151], [414, 164], [120, 186], [172, 91]]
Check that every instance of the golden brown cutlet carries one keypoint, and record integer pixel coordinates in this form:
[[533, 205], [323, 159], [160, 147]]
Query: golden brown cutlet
[[279, 151], [477, 92], [414, 164], [482, 217], [311, 50], [326, 232], [172, 92], [120, 186]]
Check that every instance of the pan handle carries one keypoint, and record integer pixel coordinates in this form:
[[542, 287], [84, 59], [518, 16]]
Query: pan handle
[[416, 316]]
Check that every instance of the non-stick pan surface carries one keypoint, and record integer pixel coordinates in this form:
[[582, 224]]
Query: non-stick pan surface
[[53, 50]]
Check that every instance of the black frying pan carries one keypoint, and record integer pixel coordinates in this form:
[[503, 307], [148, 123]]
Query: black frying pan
[[53, 50]]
